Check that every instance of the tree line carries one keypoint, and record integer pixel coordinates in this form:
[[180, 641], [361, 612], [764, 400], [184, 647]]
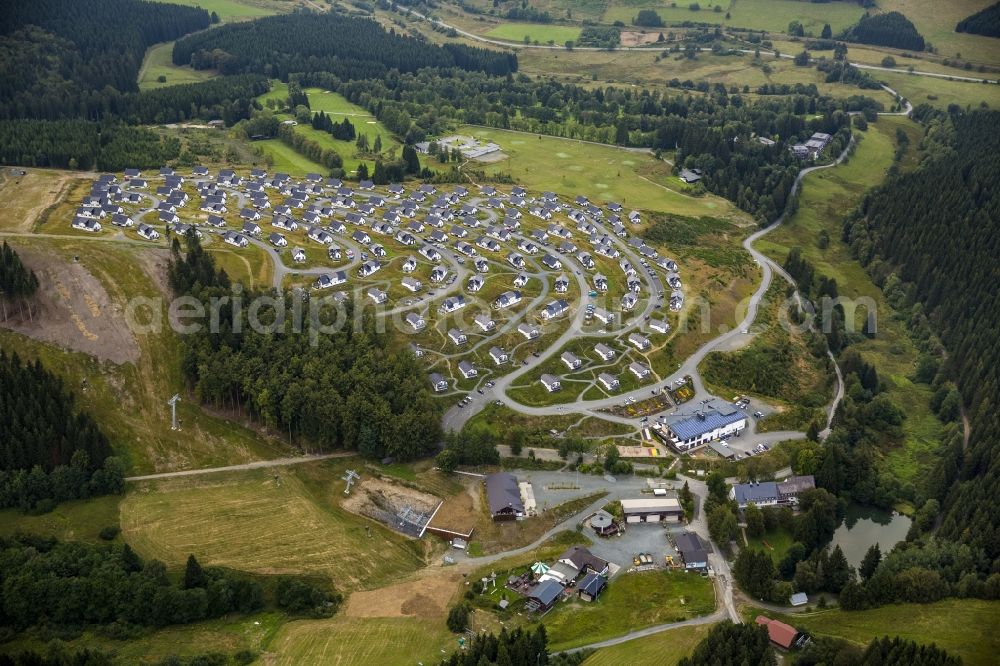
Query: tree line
[[73, 584], [50, 451], [17, 282], [349, 47], [351, 388], [83, 144]]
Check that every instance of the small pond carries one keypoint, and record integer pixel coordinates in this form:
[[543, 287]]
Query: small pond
[[864, 526]]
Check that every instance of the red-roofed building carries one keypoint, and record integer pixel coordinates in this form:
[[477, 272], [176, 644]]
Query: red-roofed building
[[781, 634]]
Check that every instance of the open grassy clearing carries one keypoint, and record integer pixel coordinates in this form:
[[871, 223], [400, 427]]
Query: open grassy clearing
[[237, 10], [936, 21], [158, 63], [249, 265], [79, 520], [941, 92], [663, 649], [826, 197], [603, 173], [250, 521], [770, 15], [127, 400], [965, 627], [776, 543], [226, 635], [632, 601], [347, 640], [24, 198], [541, 33]]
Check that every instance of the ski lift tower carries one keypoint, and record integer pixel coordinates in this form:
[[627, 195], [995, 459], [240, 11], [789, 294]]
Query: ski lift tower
[[350, 476], [173, 411]]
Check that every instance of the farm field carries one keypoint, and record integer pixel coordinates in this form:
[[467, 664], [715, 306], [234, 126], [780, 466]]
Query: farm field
[[632, 601], [826, 197], [543, 34], [604, 173], [965, 627], [235, 10], [936, 21], [770, 15], [158, 63], [354, 640], [641, 68], [663, 649], [941, 92], [253, 522]]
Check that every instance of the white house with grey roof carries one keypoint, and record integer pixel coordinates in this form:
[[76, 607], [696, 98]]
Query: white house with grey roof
[[499, 356], [610, 382], [467, 369], [605, 352], [551, 383]]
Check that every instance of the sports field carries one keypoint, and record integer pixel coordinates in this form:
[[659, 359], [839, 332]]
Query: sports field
[[253, 522], [158, 63], [603, 173], [543, 34]]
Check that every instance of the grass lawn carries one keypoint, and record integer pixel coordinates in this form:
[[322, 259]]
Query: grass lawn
[[234, 10], [965, 627], [631, 601], [543, 34], [249, 265], [79, 520], [284, 158], [771, 15], [776, 543], [603, 173], [248, 521], [663, 649], [826, 197], [158, 63], [351, 640]]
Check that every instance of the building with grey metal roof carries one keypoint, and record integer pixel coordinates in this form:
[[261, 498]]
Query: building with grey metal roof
[[690, 431]]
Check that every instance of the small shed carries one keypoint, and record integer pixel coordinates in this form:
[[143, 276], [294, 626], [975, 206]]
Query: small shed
[[603, 523], [799, 599]]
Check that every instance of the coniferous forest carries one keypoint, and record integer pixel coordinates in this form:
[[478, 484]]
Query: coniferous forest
[[351, 48], [985, 22], [932, 236], [344, 389], [889, 29]]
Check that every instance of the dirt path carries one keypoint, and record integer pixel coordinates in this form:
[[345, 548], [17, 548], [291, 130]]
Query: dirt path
[[260, 464]]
